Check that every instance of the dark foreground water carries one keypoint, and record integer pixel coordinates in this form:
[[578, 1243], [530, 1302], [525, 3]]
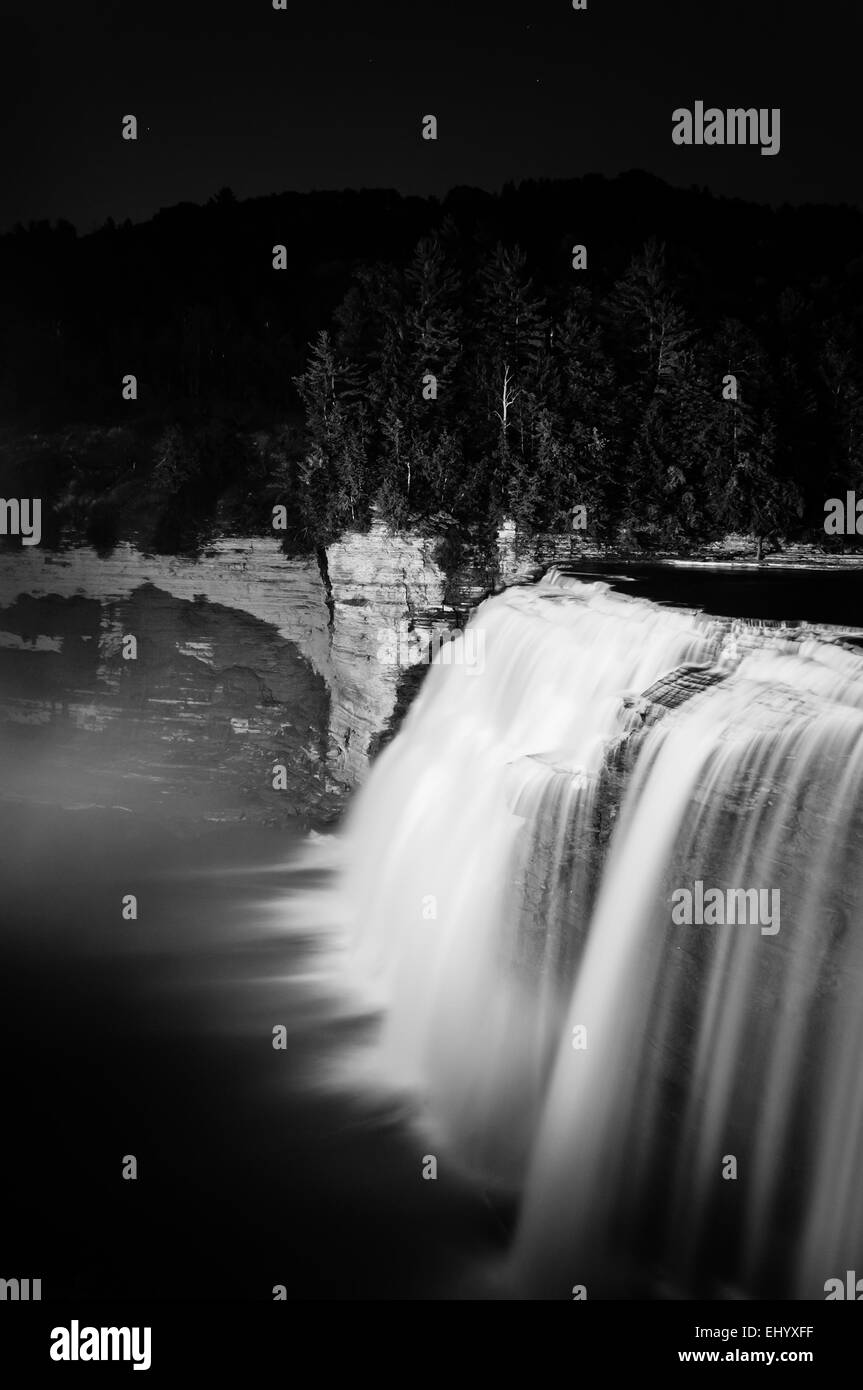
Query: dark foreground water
[[154, 1038]]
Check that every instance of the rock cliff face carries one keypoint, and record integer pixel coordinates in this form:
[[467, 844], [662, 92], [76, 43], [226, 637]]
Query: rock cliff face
[[217, 719], [244, 621], [392, 605], [249, 575]]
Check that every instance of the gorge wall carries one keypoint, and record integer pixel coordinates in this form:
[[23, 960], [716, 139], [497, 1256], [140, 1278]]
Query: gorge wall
[[244, 655]]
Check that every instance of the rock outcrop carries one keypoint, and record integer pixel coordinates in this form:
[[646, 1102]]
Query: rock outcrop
[[361, 617]]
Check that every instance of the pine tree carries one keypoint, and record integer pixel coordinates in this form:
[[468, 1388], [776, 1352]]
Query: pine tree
[[661, 398], [746, 490], [509, 363], [651, 329], [841, 378], [332, 484], [592, 426], [757, 501], [433, 319]]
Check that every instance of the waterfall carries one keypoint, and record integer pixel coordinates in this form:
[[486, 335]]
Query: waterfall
[[677, 1107]]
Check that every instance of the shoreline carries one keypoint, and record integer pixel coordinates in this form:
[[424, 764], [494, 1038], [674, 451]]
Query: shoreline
[[838, 563]]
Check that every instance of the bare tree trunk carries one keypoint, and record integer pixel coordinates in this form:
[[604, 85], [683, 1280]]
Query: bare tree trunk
[[508, 397]]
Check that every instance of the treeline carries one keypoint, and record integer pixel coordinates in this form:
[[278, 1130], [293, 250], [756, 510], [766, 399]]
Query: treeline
[[445, 359], [474, 393]]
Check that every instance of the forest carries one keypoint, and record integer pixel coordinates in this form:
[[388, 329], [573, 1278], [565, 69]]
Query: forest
[[679, 365]]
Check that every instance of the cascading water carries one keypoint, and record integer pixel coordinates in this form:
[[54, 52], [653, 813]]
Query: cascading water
[[512, 864]]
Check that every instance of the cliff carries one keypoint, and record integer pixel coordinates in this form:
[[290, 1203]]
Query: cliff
[[233, 646]]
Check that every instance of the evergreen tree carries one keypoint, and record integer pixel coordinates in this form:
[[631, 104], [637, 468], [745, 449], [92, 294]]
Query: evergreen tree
[[433, 319], [592, 426], [332, 486], [840, 377], [662, 399], [651, 331], [746, 490], [510, 359]]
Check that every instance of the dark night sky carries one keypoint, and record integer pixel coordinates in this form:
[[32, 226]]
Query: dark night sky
[[330, 95]]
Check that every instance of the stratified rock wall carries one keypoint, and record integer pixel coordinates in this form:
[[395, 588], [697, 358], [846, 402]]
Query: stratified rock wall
[[361, 614]]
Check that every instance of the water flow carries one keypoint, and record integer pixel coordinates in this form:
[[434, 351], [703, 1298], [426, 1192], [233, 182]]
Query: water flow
[[512, 865]]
